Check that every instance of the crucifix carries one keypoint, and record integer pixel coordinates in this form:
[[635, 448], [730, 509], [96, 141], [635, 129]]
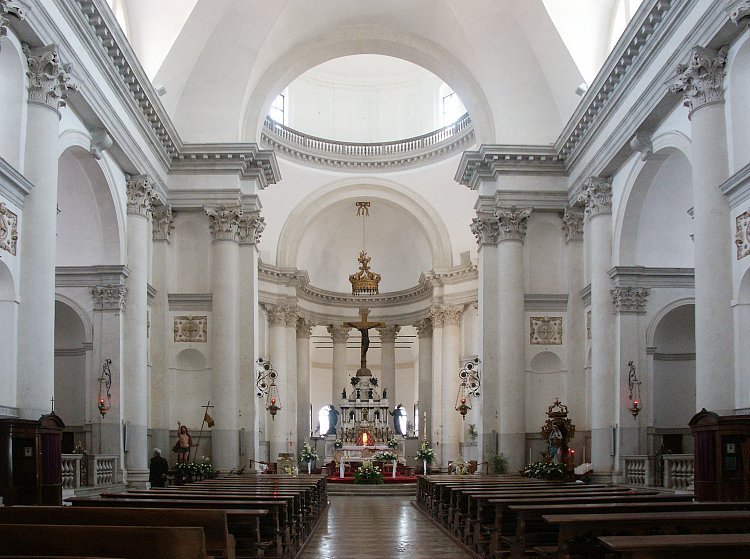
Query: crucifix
[[53, 404], [364, 326], [206, 419]]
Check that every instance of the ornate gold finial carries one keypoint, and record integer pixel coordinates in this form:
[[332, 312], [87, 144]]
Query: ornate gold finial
[[365, 281], [363, 208]]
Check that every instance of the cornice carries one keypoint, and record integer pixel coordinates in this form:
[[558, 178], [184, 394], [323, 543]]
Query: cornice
[[90, 276], [190, 301], [640, 276], [245, 160], [538, 200], [494, 160], [13, 185], [737, 187], [306, 292], [541, 302], [457, 275], [585, 295]]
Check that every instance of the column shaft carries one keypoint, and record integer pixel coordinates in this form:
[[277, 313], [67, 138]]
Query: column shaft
[[388, 362], [452, 423], [424, 328], [291, 413], [339, 334], [277, 349], [304, 428]]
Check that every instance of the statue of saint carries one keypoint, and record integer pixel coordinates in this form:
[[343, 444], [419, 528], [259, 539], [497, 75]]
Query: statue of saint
[[333, 419], [399, 419], [343, 393]]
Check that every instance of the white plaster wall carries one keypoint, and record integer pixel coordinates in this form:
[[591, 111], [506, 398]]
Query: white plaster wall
[[70, 370], [545, 381], [543, 253], [192, 241], [189, 384]]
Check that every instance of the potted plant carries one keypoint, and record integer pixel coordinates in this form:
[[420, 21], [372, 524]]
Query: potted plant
[[544, 470], [338, 444], [368, 473], [392, 442], [308, 455], [498, 464], [426, 455], [387, 456], [473, 433]]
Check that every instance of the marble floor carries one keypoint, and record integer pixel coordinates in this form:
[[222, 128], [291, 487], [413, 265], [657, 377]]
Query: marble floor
[[378, 527]]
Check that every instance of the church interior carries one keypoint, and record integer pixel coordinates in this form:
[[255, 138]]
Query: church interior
[[292, 238]]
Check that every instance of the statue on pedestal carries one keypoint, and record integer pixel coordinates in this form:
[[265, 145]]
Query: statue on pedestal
[[333, 419]]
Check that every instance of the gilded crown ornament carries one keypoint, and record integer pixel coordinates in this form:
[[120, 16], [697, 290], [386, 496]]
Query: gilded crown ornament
[[364, 281]]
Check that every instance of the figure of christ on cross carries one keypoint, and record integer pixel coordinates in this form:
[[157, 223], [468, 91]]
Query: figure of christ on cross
[[364, 326]]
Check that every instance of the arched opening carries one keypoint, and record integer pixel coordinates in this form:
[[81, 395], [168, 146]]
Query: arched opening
[[739, 95], [742, 331], [674, 377], [545, 381], [9, 312], [12, 99], [70, 366]]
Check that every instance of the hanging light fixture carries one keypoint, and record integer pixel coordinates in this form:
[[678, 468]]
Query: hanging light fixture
[[105, 385], [634, 387], [266, 385], [470, 383], [364, 281]]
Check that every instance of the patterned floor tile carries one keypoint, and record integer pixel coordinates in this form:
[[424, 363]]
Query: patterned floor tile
[[377, 528]]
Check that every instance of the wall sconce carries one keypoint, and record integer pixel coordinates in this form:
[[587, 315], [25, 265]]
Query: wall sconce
[[105, 385], [634, 386], [469, 386], [266, 384]]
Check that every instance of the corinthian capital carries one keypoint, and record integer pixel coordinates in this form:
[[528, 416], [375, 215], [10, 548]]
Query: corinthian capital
[[162, 221], [304, 328], [572, 224], [109, 297], [597, 195], [339, 333], [512, 222], [388, 333], [701, 80], [140, 195], [250, 228], [740, 13], [452, 313], [424, 327], [49, 79], [277, 315], [630, 300], [225, 222], [9, 8], [486, 228]]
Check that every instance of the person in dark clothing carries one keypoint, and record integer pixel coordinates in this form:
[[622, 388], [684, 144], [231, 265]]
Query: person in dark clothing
[[157, 470]]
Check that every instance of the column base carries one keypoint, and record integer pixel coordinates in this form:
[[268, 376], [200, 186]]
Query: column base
[[602, 447], [137, 479], [513, 447], [225, 449], [136, 448]]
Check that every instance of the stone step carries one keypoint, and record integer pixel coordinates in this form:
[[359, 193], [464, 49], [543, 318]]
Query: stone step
[[401, 489]]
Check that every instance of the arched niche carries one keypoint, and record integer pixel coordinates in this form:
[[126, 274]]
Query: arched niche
[[88, 224], [70, 363], [545, 381], [739, 99], [12, 100], [189, 387], [412, 228], [674, 366], [742, 329], [9, 312], [652, 226]]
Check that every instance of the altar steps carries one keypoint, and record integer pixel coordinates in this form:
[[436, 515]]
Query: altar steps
[[392, 489]]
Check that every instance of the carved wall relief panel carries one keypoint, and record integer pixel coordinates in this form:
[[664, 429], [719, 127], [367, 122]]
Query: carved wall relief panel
[[742, 237], [8, 229], [545, 330], [190, 328]]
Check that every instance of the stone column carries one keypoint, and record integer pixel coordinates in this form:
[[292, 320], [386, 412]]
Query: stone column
[[304, 428], [49, 84], [436, 425], [162, 222], [339, 334], [629, 306], [291, 417], [701, 82], [251, 226], [424, 330], [135, 377], [277, 349], [486, 228], [512, 334], [388, 361], [575, 328], [597, 194], [225, 250], [452, 424]]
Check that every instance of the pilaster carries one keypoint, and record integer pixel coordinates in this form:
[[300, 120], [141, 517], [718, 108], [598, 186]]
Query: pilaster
[[388, 360], [424, 331], [339, 335], [451, 342]]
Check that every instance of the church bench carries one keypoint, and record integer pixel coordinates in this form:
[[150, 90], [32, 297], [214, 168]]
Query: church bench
[[674, 546], [531, 530], [219, 542], [575, 531], [129, 542]]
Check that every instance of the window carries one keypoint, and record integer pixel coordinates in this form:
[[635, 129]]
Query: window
[[278, 109], [323, 420], [452, 108]]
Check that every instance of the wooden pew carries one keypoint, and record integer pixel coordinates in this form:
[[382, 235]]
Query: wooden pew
[[219, 542], [675, 546], [129, 542]]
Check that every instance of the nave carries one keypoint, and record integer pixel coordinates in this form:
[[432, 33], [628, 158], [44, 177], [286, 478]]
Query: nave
[[372, 527]]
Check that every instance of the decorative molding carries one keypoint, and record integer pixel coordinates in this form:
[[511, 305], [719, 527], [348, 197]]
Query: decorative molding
[[437, 317], [736, 188], [250, 228], [701, 80], [140, 195], [388, 333], [537, 200], [14, 186], [596, 194], [739, 14], [224, 222], [545, 330], [673, 356], [70, 352], [375, 157], [450, 314], [641, 143], [50, 81], [585, 294], [9, 8], [536, 302], [741, 238], [276, 315], [640, 276], [190, 301], [8, 411], [291, 317], [588, 325], [424, 327], [454, 276], [486, 228], [191, 329], [492, 161], [162, 222], [8, 229], [339, 334], [100, 142], [304, 328], [513, 222], [572, 224], [630, 300], [90, 276], [246, 161], [109, 297]]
